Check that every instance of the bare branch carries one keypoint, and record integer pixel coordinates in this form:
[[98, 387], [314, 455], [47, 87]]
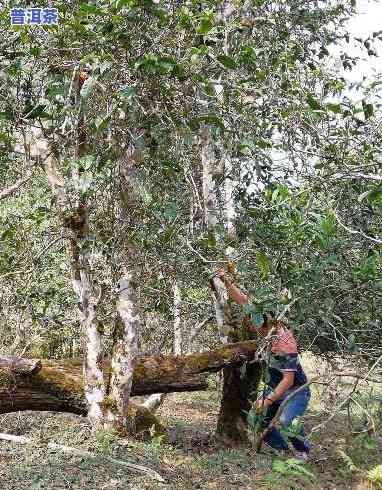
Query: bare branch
[[357, 232], [13, 188]]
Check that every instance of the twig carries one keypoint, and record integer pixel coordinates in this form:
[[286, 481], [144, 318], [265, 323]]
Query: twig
[[201, 256], [370, 418], [287, 308], [357, 232], [356, 375], [199, 326], [358, 175], [13, 188], [71, 450]]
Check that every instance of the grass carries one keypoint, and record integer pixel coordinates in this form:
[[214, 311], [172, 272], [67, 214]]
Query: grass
[[191, 460]]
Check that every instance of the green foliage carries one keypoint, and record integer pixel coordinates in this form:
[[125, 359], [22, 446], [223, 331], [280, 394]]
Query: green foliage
[[375, 476], [290, 472], [157, 74], [106, 441]]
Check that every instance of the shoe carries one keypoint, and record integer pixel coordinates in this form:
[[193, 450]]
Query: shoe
[[301, 455]]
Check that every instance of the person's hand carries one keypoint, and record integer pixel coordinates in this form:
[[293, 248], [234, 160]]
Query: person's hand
[[221, 273], [262, 404]]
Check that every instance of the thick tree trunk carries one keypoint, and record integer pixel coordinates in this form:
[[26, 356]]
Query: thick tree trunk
[[58, 385], [239, 387], [238, 383], [220, 298], [124, 353], [82, 283], [74, 217]]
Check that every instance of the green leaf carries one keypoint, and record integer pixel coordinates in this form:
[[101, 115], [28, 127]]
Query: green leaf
[[227, 61], [351, 343], [14, 69], [128, 93], [245, 150], [90, 9], [366, 441], [166, 65], [35, 111], [368, 109], [146, 196], [257, 319], [209, 118], [205, 25], [263, 264], [336, 108], [170, 212], [313, 102], [35, 51], [262, 143], [6, 115], [101, 123], [250, 309], [125, 3], [374, 195]]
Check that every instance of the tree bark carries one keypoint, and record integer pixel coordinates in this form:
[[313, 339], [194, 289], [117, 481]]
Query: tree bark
[[209, 184], [220, 298], [178, 334], [58, 385], [74, 217], [238, 390], [125, 344]]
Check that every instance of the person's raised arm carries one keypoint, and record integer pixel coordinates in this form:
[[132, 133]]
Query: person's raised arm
[[233, 291]]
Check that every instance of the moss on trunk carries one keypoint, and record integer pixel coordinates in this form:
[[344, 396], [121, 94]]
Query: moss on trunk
[[58, 385]]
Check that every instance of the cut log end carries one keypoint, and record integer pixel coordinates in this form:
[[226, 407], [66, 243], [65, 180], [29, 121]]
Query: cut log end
[[19, 365]]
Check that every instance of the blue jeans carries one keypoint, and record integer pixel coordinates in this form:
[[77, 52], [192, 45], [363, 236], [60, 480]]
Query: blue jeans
[[295, 407]]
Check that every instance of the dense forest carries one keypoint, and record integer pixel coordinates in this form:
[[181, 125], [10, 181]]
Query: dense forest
[[146, 145]]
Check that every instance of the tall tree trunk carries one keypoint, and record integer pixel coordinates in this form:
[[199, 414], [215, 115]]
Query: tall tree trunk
[[75, 221], [82, 283], [238, 383], [124, 353], [178, 337], [209, 184], [229, 186], [125, 348]]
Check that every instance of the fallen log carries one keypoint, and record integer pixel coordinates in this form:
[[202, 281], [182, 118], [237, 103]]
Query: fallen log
[[20, 365], [58, 385]]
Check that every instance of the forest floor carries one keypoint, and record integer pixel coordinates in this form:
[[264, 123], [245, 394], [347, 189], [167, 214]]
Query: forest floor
[[190, 461]]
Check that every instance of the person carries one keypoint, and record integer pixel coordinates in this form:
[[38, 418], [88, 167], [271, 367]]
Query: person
[[285, 375]]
